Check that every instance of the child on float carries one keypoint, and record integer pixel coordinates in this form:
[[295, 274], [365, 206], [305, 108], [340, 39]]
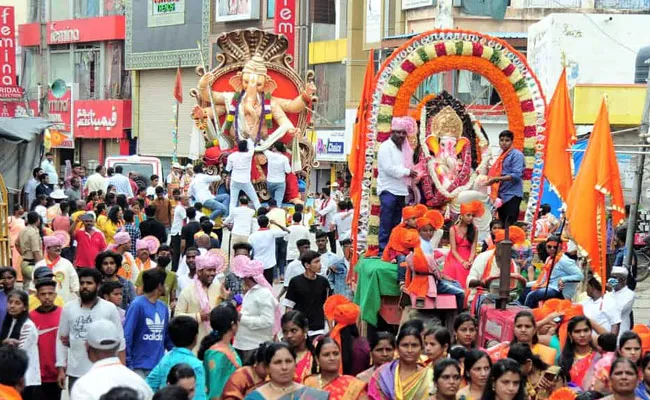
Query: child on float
[[403, 238]]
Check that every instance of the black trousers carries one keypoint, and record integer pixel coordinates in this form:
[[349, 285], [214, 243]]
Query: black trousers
[[332, 237], [176, 247], [509, 211], [268, 275], [51, 390]]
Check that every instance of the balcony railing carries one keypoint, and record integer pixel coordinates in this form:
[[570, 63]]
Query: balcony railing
[[623, 4], [552, 3]]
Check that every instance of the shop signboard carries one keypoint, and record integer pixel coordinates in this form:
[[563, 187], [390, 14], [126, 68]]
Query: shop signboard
[[285, 22], [9, 88], [18, 109], [165, 12], [411, 4], [237, 10], [102, 119], [330, 145], [60, 113], [85, 30]]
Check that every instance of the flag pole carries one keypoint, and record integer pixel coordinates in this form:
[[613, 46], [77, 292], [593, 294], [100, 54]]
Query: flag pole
[[175, 130]]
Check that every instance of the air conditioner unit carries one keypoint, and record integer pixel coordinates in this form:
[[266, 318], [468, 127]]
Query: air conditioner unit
[[457, 3]]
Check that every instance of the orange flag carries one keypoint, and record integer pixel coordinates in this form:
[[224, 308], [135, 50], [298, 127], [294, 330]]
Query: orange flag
[[178, 86], [560, 135], [357, 159], [598, 176]]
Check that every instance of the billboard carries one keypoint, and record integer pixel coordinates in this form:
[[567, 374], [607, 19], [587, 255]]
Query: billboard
[[60, 113], [159, 33], [8, 85], [285, 22], [237, 10]]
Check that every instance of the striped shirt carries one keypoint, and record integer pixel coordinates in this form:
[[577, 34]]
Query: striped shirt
[[122, 185]]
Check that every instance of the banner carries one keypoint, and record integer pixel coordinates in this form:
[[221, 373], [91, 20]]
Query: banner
[[165, 12], [17, 109], [237, 10], [101, 119], [60, 113], [373, 21], [411, 4], [330, 145], [8, 86], [285, 22]]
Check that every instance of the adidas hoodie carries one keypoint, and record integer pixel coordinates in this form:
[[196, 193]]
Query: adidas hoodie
[[145, 332]]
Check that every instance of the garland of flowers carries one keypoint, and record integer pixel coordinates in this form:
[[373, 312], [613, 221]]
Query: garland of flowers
[[232, 110], [231, 118], [393, 76]]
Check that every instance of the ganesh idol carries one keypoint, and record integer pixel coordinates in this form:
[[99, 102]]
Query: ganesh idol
[[256, 95]]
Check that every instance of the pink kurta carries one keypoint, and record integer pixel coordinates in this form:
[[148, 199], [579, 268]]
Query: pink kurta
[[16, 225], [453, 268]]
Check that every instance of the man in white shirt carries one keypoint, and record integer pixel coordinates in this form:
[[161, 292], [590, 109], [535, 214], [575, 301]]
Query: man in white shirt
[[121, 183], [241, 222], [601, 309], [154, 183], [343, 220], [623, 298], [48, 167], [263, 242], [103, 339], [200, 191], [337, 195], [96, 181], [182, 202], [277, 170], [327, 211], [64, 273], [239, 165], [392, 175], [297, 232], [327, 258]]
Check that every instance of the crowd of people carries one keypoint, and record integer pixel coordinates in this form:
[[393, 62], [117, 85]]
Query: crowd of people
[[133, 292]]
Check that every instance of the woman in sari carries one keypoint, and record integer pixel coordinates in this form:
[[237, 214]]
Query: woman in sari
[[643, 390], [525, 331], [623, 377], [343, 315], [629, 346], [340, 387], [294, 330], [536, 371], [505, 382], [465, 330], [436, 344], [404, 378], [476, 372], [446, 378], [220, 359], [579, 356], [280, 363], [247, 378], [382, 351]]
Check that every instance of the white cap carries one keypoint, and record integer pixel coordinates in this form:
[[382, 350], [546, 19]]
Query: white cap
[[103, 335], [58, 194], [571, 247], [177, 165], [619, 271]]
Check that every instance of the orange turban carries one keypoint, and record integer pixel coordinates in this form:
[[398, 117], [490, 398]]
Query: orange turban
[[409, 212], [475, 207], [563, 393], [565, 307], [516, 234], [423, 221], [644, 333], [343, 312], [420, 209], [436, 217]]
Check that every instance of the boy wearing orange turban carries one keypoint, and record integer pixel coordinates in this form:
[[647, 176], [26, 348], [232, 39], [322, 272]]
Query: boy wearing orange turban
[[403, 238]]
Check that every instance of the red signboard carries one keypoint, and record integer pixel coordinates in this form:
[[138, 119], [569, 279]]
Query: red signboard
[[18, 109], [8, 86], [101, 119], [81, 30], [60, 113], [285, 22]]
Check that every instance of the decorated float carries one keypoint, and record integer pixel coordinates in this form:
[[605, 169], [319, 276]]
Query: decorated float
[[451, 149], [254, 93]]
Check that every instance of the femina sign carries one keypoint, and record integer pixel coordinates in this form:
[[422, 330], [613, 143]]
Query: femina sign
[[8, 87], [63, 35], [285, 22]]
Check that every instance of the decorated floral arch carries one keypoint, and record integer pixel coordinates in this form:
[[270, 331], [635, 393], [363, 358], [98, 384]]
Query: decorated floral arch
[[445, 50]]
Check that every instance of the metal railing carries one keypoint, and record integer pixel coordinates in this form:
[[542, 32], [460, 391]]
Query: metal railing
[[623, 4]]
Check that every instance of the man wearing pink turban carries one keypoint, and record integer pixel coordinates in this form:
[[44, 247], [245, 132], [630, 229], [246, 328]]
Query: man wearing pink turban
[[122, 245], [260, 312], [199, 299], [65, 276], [393, 177]]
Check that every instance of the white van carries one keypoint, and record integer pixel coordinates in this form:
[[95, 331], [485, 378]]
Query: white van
[[143, 166]]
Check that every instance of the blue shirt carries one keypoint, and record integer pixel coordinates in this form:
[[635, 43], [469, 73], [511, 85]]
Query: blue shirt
[[145, 332], [568, 271], [157, 378], [513, 166], [3, 306], [134, 233]]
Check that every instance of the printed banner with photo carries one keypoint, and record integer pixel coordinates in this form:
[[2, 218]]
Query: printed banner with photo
[[165, 12], [237, 10]]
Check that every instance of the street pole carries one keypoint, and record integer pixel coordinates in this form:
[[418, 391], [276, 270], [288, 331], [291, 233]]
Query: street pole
[[638, 179]]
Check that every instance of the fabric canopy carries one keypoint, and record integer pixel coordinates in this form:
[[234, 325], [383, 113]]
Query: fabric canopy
[[21, 140]]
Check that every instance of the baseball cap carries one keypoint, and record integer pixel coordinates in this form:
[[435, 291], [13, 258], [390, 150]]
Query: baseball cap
[[43, 273], [87, 217], [103, 335]]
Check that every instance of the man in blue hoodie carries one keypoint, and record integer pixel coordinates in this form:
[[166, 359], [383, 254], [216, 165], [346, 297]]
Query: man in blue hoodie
[[145, 326]]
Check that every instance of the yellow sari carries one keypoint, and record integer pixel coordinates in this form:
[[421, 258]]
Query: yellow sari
[[386, 384]]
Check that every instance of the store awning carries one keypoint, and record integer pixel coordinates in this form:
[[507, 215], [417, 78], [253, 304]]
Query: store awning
[[397, 40]]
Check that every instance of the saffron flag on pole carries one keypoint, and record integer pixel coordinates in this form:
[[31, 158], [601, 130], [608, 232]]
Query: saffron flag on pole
[[586, 204], [560, 136], [178, 86], [357, 159]]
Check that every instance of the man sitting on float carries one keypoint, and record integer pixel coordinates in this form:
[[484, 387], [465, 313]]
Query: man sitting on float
[[421, 276], [484, 275]]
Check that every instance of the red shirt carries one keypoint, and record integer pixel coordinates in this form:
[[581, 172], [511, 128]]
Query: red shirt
[[88, 246], [48, 328]]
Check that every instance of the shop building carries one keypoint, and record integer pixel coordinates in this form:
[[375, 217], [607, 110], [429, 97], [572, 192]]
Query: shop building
[[73, 58]]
